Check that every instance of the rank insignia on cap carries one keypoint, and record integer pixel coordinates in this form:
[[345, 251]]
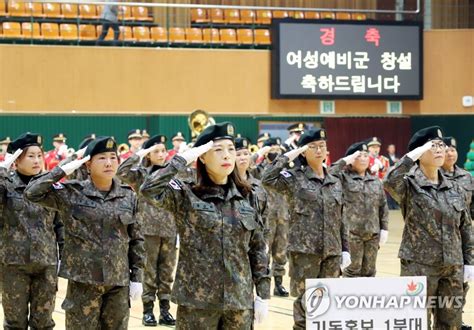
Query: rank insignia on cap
[[286, 174], [440, 134], [163, 139], [374, 139], [364, 147], [301, 126], [322, 134], [453, 142], [110, 144], [175, 185], [278, 140], [179, 134], [266, 135], [230, 129], [93, 136], [38, 139], [239, 135], [244, 143]]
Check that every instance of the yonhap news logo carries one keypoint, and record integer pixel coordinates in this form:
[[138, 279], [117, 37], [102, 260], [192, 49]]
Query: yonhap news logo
[[317, 301]]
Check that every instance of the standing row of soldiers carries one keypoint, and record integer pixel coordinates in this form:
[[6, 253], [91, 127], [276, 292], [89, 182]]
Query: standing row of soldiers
[[229, 222]]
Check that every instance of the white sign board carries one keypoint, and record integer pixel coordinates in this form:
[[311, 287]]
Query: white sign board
[[366, 303]]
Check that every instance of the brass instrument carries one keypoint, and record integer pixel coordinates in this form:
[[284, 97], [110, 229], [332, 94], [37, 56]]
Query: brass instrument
[[122, 149], [253, 148], [198, 120]]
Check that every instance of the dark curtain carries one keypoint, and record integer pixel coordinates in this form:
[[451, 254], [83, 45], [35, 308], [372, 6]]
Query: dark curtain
[[342, 132]]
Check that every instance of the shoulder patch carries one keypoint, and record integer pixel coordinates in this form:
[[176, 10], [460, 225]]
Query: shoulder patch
[[175, 184], [286, 174], [58, 186]]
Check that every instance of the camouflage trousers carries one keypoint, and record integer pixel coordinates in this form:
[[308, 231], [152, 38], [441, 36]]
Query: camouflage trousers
[[442, 281], [277, 244], [30, 288], [364, 249], [90, 306], [159, 267], [303, 266], [189, 318]]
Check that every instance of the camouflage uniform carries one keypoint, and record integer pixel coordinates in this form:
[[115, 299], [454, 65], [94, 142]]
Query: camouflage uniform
[[159, 229], [365, 214], [317, 233], [465, 180], [222, 252], [103, 248], [277, 220], [436, 239], [29, 254]]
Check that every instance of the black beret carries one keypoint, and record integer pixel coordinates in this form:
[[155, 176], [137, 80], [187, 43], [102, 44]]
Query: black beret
[[274, 141], [25, 140], [315, 134], [156, 139], [134, 134], [450, 142], [178, 136], [101, 144], [241, 143], [60, 137], [358, 146], [5, 140], [219, 131], [374, 141], [263, 137], [297, 127], [145, 133], [424, 135]]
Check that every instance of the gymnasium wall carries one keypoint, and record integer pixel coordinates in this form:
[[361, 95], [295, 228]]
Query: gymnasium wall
[[106, 80]]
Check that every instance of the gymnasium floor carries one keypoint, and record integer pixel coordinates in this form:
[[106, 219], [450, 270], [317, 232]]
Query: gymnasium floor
[[280, 311]]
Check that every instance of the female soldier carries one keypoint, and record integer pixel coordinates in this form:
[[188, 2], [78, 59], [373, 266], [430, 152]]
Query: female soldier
[[453, 172], [29, 243], [317, 235], [159, 230], [436, 238], [103, 252], [222, 251], [365, 209]]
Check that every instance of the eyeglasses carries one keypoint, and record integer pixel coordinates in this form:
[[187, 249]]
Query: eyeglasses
[[315, 147], [436, 145]]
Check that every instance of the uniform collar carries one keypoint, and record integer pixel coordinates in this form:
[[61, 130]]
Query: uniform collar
[[218, 192], [367, 177], [458, 172], [416, 173], [328, 178], [90, 190]]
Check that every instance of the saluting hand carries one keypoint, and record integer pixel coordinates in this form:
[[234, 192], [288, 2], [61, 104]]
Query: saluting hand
[[416, 153], [292, 154], [143, 152], [80, 152], [192, 154], [349, 160], [346, 260], [10, 159], [70, 167], [264, 151]]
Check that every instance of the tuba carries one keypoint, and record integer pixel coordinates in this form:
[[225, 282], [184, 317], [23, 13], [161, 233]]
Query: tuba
[[198, 120], [122, 149], [253, 148]]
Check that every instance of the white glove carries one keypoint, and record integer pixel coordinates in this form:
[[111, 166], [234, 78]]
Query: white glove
[[10, 159], [143, 152], [80, 152], [260, 309], [346, 260], [292, 154], [70, 167], [192, 154], [62, 149], [136, 290], [177, 241], [349, 160], [183, 146], [468, 273], [383, 236], [418, 152], [263, 151], [266, 248], [290, 140]]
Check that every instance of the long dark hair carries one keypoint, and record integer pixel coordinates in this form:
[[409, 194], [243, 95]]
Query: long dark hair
[[204, 181]]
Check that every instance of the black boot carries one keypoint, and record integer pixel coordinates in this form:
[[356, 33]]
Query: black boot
[[279, 288], [165, 316], [149, 319], [465, 327]]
